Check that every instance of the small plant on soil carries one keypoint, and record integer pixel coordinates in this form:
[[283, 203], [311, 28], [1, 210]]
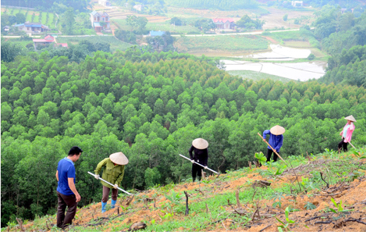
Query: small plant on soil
[[355, 175], [261, 158], [292, 209], [277, 196], [174, 197], [168, 215], [285, 226], [307, 184], [310, 206], [339, 207]]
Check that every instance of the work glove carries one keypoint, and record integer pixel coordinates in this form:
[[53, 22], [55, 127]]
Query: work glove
[[205, 167], [96, 176], [115, 186], [192, 160]]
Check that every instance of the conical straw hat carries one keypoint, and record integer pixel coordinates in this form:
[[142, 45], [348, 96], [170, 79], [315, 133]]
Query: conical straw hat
[[350, 118], [277, 130], [200, 143], [119, 158]]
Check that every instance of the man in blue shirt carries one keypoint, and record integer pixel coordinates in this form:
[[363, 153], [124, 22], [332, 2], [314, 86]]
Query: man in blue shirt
[[66, 190], [275, 140]]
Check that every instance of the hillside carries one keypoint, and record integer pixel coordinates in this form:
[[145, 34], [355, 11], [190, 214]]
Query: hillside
[[150, 106], [229, 202]]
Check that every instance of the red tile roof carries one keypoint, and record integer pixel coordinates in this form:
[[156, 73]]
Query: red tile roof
[[42, 40], [47, 39]]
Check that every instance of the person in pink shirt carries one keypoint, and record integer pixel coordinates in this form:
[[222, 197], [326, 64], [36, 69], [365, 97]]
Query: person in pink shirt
[[347, 133]]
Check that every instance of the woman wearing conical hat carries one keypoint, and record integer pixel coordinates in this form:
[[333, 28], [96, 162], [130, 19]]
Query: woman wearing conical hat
[[199, 147], [347, 133], [114, 169], [275, 140]]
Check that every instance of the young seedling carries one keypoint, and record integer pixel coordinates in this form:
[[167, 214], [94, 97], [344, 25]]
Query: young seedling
[[285, 226], [339, 207], [261, 158], [310, 206], [277, 196]]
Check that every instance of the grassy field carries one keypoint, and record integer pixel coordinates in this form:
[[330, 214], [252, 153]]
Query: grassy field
[[248, 74], [115, 44], [325, 187], [297, 38], [23, 43], [160, 26], [166, 26], [49, 22], [188, 12], [227, 43]]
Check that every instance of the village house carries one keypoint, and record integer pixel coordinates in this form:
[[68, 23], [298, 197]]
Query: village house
[[224, 23], [345, 10], [105, 2], [32, 27], [47, 41], [139, 7], [100, 21], [297, 3]]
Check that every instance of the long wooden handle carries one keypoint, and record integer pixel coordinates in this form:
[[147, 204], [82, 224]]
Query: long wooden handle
[[199, 164], [111, 184], [272, 148], [352, 145]]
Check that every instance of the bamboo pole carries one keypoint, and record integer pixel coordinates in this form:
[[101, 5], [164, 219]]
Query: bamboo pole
[[272, 148], [297, 179], [352, 145]]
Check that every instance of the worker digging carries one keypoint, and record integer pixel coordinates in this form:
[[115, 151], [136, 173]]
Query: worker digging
[[114, 168]]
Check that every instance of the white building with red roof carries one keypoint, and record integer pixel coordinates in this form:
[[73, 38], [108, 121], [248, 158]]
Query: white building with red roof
[[224, 23], [45, 41]]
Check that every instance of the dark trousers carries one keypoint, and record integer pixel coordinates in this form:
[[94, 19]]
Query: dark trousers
[[269, 154], [106, 194], [196, 171], [70, 202], [343, 144]]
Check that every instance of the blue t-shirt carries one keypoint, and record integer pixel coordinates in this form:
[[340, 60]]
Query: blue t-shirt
[[275, 141], [65, 170]]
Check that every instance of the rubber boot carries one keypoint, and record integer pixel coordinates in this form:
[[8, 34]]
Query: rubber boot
[[113, 203], [104, 204]]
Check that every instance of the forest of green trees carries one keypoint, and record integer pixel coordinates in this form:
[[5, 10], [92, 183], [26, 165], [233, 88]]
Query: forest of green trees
[[343, 36], [150, 106]]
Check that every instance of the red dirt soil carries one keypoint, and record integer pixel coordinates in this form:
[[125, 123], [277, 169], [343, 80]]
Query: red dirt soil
[[353, 196]]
